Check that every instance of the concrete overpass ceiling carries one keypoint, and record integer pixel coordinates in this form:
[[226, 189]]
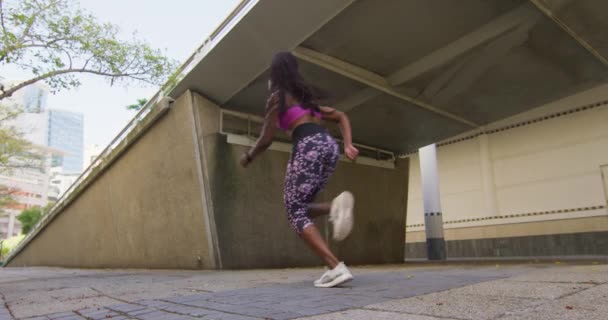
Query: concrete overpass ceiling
[[413, 72], [385, 36], [252, 98], [386, 122], [586, 18], [528, 66]]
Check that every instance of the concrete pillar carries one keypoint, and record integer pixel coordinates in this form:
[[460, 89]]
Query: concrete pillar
[[433, 221], [490, 204], [11, 223]]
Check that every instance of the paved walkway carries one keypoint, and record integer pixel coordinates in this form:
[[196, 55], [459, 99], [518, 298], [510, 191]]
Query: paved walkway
[[418, 292]]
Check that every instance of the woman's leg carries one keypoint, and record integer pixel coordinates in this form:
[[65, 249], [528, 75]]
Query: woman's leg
[[306, 176], [318, 209], [315, 241]]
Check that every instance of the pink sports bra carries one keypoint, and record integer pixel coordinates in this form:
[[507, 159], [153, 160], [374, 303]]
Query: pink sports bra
[[287, 118]]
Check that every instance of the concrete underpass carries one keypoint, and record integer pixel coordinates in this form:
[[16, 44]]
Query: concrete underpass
[[168, 192]]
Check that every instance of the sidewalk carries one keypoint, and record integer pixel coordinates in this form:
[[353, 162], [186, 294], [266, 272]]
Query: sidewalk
[[410, 291]]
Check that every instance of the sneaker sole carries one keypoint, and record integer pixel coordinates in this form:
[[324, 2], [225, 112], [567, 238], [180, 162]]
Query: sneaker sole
[[343, 223], [337, 281]]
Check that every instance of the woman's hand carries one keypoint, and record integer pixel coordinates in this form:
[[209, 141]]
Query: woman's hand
[[245, 160], [351, 152]]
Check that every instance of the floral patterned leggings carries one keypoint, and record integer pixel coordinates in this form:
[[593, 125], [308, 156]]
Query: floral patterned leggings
[[312, 162]]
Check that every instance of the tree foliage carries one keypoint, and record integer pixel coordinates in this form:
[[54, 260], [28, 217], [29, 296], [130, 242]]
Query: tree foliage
[[15, 151], [29, 218], [138, 105], [54, 40]]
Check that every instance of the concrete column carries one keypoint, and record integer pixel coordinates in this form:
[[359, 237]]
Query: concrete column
[[11, 223], [490, 204], [433, 221]]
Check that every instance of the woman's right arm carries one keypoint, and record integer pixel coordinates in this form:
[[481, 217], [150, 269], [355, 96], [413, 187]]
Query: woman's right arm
[[341, 119]]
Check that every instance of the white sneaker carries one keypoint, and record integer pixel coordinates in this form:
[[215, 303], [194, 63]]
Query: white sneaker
[[334, 277], [341, 215]]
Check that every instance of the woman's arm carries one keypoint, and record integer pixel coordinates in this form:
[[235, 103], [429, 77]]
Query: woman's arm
[[341, 118], [268, 130]]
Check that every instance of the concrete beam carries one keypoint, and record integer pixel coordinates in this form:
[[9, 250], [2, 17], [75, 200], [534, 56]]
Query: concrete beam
[[370, 79], [464, 75], [497, 27], [357, 99], [484, 34], [551, 15]]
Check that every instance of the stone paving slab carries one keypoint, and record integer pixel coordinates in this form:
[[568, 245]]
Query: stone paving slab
[[459, 306], [591, 304], [594, 274], [358, 314], [292, 301], [59, 299], [461, 292], [503, 288]]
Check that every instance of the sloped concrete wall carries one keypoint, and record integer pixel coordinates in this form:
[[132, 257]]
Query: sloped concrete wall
[[144, 211], [177, 198], [252, 228]]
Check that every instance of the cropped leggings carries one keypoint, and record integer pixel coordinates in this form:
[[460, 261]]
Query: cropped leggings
[[312, 162]]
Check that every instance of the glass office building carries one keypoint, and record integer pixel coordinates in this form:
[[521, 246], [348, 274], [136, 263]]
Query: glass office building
[[65, 132]]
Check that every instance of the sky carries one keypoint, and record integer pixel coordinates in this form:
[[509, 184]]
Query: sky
[[179, 26]]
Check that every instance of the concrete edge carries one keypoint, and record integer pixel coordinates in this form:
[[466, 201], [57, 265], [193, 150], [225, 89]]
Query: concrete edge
[[157, 112], [203, 177], [581, 259]]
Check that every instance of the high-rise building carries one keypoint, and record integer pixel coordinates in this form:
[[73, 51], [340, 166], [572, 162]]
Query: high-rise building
[[28, 186], [34, 98], [31, 99], [60, 182], [65, 133], [32, 102]]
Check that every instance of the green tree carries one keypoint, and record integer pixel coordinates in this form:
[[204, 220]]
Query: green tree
[[138, 105], [29, 218], [55, 41], [15, 152]]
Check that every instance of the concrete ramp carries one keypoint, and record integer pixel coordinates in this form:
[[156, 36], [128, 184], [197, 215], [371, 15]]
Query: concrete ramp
[[174, 196]]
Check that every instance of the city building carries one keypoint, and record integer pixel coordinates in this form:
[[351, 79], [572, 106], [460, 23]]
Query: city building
[[28, 188], [32, 102], [60, 182], [65, 133], [32, 99]]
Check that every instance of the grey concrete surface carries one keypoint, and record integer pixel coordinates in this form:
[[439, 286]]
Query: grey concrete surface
[[251, 223], [144, 211], [418, 292], [177, 198]]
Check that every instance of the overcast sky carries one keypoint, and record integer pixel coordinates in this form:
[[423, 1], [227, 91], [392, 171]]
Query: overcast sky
[[178, 26]]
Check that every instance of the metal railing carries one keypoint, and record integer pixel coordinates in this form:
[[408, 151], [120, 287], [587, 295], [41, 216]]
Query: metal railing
[[252, 121]]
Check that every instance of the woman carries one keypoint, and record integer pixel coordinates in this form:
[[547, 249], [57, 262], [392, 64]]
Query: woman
[[291, 107]]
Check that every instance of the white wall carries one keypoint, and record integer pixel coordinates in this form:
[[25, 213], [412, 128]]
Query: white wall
[[549, 165]]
